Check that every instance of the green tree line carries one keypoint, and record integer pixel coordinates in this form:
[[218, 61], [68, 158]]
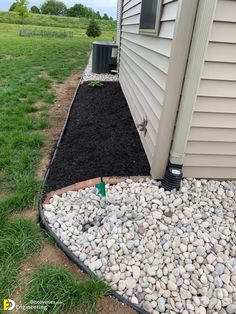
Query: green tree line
[[54, 7]]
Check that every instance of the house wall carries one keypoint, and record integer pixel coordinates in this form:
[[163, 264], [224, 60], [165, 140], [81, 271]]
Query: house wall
[[211, 146], [144, 66]]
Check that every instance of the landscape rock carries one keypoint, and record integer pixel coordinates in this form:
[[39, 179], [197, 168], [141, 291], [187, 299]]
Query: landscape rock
[[130, 283], [231, 308], [161, 302], [167, 252]]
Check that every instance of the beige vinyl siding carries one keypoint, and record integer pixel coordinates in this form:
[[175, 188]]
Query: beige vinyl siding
[[221, 52], [219, 71], [211, 147], [210, 172], [225, 11], [144, 62], [211, 135]]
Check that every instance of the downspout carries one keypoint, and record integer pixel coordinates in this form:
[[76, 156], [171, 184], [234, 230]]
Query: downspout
[[200, 40], [119, 29]]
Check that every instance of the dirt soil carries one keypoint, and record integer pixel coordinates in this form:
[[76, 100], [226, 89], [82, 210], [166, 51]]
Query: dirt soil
[[100, 140], [50, 253], [57, 114], [32, 214], [4, 194]]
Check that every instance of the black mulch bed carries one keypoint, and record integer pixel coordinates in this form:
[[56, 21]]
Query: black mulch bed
[[100, 139]]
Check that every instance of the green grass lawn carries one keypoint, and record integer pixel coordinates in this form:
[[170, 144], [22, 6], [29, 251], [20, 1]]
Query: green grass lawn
[[69, 292], [18, 240], [22, 62], [55, 21]]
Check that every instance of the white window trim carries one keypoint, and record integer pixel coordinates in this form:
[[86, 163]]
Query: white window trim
[[155, 31]]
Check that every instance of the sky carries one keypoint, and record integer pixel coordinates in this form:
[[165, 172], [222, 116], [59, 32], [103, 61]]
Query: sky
[[104, 6]]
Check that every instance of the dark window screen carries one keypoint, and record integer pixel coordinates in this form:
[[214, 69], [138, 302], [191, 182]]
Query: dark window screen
[[148, 14]]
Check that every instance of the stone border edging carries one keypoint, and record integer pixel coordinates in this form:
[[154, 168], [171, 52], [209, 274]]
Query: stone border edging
[[89, 183]]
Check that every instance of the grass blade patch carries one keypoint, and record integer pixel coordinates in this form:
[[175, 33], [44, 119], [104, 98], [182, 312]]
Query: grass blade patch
[[57, 285], [18, 240]]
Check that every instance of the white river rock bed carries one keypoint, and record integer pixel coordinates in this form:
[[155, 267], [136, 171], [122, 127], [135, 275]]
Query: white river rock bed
[[168, 252], [88, 75]]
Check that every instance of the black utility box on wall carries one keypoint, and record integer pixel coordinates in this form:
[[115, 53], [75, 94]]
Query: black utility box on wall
[[104, 57]]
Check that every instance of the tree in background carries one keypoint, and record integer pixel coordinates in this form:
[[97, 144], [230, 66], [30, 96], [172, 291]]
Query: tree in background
[[35, 9], [12, 7], [91, 14], [53, 7], [105, 17], [80, 10], [98, 15], [22, 9], [93, 29]]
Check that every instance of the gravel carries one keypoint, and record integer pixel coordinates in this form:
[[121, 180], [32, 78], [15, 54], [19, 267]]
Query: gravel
[[168, 252], [88, 75]]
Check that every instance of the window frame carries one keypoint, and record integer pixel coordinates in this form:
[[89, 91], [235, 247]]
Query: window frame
[[155, 31]]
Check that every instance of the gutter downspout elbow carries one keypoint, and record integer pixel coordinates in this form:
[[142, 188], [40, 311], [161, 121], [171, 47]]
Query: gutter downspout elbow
[[200, 40]]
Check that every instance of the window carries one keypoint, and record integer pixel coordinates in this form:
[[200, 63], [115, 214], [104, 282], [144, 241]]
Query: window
[[150, 17]]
